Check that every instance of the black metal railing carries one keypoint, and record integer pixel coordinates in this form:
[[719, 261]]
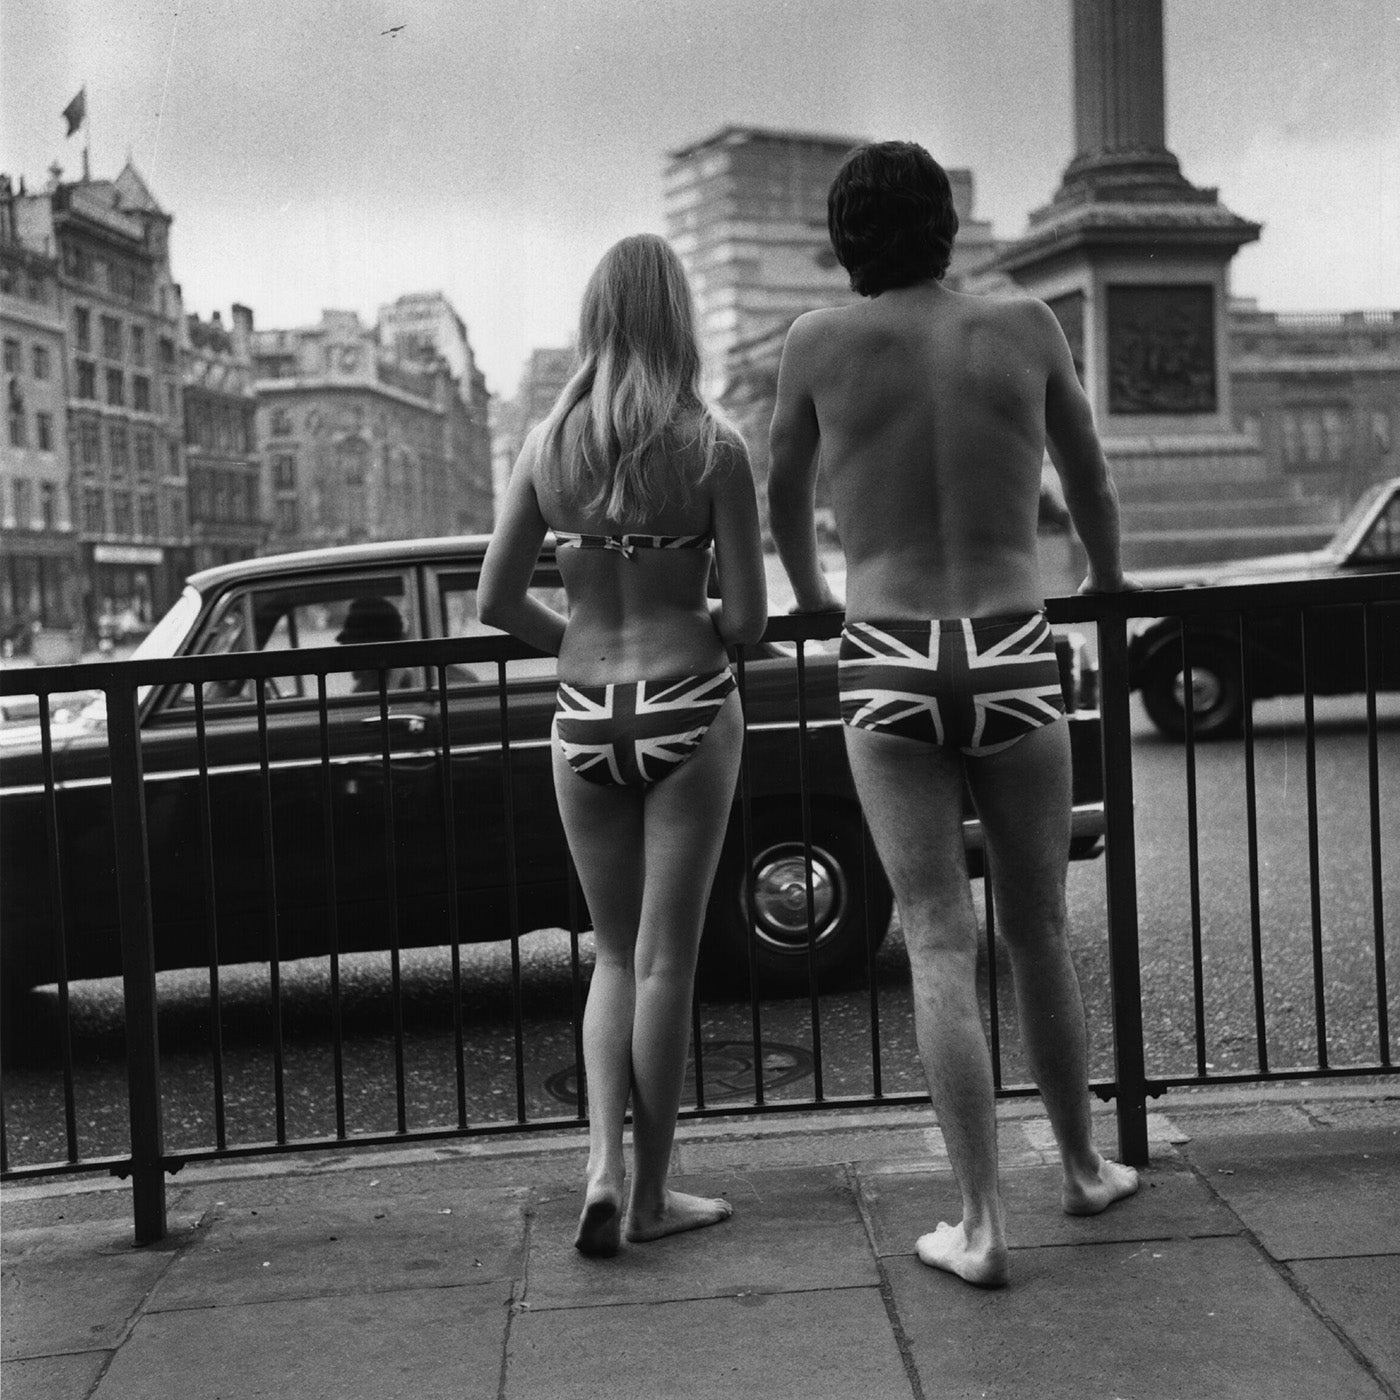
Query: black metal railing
[[126, 686]]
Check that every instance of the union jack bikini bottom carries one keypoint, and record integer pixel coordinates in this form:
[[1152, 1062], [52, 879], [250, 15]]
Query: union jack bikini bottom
[[633, 733], [977, 684]]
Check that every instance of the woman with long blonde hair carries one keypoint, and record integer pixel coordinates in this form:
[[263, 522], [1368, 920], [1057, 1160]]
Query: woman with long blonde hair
[[646, 490]]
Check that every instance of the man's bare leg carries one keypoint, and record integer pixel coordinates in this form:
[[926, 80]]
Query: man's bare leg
[[912, 798], [1022, 796]]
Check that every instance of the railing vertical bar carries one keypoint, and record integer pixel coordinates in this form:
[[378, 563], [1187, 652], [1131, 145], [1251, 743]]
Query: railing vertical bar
[[60, 929], [805, 799], [391, 866], [1120, 859], [454, 929], [1251, 808], [273, 937], [1314, 859], [993, 1011], [577, 1007], [513, 898], [872, 938], [138, 960], [746, 906], [1371, 627], [332, 904], [211, 916], [4, 1138], [1193, 848]]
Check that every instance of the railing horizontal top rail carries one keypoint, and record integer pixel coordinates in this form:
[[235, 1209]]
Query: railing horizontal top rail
[[447, 651]]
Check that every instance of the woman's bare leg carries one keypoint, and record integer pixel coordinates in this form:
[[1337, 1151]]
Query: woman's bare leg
[[604, 829], [685, 819]]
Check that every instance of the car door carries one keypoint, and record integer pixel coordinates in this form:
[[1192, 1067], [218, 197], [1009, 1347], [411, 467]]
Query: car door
[[1378, 551], [328, 796], [505, 817]]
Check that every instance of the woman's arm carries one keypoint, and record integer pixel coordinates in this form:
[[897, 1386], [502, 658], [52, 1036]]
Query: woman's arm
[[741, 612], [503, 599]]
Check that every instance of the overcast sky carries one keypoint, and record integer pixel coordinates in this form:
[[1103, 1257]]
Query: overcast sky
[[336, 153]]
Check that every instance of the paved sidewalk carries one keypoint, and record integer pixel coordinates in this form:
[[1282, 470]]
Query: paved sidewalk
[[1261, 1258]]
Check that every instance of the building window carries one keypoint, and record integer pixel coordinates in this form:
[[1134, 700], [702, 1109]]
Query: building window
[[172, 399], [167, 352], [43, 427], [287, 517], [201, 508], [145, 455], [175, 514], [146, 515], [82, 328], [48, 505], [94, 510], [172, 459], [119, 443], [250, 493], [1315, 439], [281, 423], [121, 514], [138, 345], [1380, 431], [284, 472], [140, 393], [40, 358], [111, 337], [87, 379], [17, 432], [11, 356], [89, 442], [24, 503], [116, 388]]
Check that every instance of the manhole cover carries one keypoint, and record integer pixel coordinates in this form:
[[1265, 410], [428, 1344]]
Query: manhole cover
[[729, 1071]]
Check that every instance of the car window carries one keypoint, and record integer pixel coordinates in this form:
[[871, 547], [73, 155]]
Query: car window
[[1382, 541], [457, 616], [293, 616]]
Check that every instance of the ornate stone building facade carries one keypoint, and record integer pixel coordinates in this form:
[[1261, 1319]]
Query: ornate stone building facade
[[223, 465], [356, 439], [40, 582]]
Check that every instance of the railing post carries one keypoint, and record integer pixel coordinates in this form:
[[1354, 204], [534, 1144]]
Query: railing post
[[1120, 857], [138, 963]]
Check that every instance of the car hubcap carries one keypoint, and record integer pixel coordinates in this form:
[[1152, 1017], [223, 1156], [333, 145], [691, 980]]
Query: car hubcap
[[1205, 690], [780, 897]]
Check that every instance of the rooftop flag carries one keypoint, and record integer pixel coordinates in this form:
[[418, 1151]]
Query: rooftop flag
[[76, 111]]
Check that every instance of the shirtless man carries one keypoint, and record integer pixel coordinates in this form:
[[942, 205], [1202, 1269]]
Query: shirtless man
[[930, 412]]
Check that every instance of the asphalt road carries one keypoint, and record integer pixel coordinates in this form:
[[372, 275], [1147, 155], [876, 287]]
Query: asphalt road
[[519, 1057]]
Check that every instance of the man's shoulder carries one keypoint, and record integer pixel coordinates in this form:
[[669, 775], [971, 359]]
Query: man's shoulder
[[1010, 308]]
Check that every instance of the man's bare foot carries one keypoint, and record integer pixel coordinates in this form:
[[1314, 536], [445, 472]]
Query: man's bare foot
[[677, 1212], [600, 1226], [1089, 1194], [946, 1247]]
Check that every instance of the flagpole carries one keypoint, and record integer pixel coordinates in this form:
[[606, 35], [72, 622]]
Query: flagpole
[[87, 137]]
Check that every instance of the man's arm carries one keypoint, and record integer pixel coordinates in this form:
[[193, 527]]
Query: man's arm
[[793, 440], [1078, 457]]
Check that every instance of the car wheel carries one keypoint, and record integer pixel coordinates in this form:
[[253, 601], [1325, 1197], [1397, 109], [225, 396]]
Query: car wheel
[[764, 915], [1217, 709]]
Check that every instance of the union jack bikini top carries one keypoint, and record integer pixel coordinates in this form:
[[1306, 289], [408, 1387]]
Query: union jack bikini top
[[627, 545]]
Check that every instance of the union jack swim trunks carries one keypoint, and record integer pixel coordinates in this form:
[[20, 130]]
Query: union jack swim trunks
[[633, 733], [974, 684]]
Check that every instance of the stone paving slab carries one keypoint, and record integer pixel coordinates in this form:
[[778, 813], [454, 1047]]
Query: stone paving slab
[[1169, 1204], [1166, 1320], [52, 1377], [1322, 1195], [793, 1230], [1362, 1297], [245, 1254], [429, 1343], [830, 1345], [75, 1288]]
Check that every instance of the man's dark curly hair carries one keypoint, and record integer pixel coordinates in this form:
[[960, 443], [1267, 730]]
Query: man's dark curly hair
[[891, 218]]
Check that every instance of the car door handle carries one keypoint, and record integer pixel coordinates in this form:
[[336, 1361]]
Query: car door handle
[[413, 724]]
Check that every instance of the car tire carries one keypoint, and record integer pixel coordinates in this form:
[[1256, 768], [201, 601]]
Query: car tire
[[764, 917], [1218, 709]]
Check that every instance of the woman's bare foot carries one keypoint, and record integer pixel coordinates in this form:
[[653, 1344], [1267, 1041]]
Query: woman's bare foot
[[600, 1226], [677, 1212], [1089, 1193], [984, 1263]]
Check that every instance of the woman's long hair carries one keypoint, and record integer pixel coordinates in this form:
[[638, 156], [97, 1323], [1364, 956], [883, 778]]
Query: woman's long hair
[[639, 382]]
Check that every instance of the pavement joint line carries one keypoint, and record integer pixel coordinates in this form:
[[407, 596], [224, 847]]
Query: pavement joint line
[[572, 1139]]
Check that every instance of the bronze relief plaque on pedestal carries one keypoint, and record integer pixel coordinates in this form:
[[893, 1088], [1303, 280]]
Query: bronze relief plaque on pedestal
[[1161, 349]]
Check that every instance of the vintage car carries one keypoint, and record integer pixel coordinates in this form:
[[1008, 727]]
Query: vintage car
[[333, 786], [1368, 541]]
